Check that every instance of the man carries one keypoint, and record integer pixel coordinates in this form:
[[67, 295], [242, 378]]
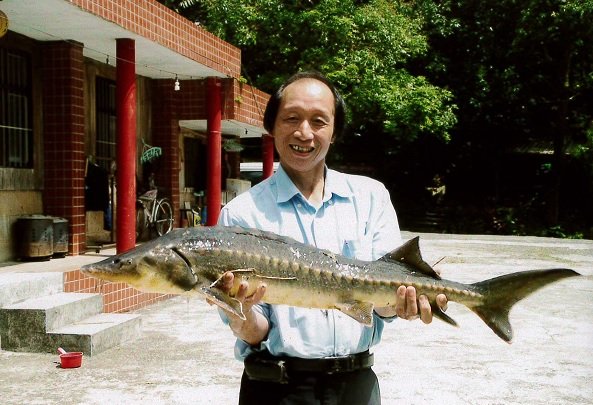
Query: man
[[312, 356]]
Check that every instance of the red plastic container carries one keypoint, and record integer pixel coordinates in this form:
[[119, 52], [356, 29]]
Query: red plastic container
[[70, 359]]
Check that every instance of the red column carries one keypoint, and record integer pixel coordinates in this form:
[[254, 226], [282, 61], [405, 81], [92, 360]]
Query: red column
[[268, 156], [126, 145], [213, 191]]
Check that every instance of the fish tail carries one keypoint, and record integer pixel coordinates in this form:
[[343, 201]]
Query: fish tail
[[501, 293]]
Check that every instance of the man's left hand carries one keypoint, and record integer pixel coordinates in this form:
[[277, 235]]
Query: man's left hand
[[408, 306]]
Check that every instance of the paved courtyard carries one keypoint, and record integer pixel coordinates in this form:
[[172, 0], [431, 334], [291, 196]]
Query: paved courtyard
[[185, 355]]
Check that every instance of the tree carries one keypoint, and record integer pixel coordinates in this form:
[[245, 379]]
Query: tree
[[363, 46], [521, 72]]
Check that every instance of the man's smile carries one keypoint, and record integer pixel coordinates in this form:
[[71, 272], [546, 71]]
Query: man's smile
[[302, 149]]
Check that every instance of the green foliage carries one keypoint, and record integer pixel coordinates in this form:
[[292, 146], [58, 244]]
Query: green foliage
[[521, 73], [456, 87], [365, 47]]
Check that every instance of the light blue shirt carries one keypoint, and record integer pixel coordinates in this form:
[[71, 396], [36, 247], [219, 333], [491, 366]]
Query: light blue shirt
[[356, 219]]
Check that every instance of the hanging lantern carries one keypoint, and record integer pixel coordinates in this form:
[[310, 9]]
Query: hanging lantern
[[3, 24]]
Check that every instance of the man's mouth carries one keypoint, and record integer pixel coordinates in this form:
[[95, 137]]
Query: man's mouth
[[302, 149]]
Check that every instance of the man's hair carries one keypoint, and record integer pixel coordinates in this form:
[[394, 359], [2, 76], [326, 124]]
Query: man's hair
[[274, 102]]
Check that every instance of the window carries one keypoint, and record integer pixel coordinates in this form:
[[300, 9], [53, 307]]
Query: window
[[106, 122], [16, 126]]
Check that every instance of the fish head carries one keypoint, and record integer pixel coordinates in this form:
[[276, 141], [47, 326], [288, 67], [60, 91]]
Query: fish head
[[152, 267]]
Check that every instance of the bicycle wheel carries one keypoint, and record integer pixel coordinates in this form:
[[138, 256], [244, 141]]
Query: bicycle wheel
[[163, 221], [141, 222]]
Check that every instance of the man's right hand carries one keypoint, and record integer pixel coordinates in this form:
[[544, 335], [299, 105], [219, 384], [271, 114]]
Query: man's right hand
[[255, 327]]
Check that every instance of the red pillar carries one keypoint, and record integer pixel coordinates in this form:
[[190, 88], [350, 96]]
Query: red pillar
[[126, 144], [213, 191], [268, 156]]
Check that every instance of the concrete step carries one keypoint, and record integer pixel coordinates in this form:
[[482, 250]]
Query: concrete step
[[23, 325], [70, 320], [52, 311], [95, 334], [37, 316], [16, 287]]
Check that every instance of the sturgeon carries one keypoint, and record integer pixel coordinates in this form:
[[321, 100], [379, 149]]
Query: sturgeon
[[193, 260]]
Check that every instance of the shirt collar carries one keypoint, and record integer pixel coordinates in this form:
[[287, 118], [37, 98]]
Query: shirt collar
[[335, 183]]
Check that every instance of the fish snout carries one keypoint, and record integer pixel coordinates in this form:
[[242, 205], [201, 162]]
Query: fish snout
[[110, 269]]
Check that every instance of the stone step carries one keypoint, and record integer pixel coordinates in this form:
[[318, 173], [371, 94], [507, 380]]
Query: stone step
[[95, 334], [52, 311], [37, 316], [16, 287], [23, 325]]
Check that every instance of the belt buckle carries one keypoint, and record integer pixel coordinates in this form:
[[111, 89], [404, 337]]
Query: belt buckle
[[340, 364]]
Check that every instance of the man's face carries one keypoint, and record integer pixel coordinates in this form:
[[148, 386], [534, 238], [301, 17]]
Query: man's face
[[304, 126]]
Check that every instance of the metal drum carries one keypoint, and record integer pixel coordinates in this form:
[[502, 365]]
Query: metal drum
[[60, 230], [35, 237]]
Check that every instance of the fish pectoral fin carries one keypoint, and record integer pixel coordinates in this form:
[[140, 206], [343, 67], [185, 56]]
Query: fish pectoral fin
[[360, 311], [224, 301], [215, 283]]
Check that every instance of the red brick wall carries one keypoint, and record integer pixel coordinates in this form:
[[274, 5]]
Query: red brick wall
[[63, 137], [117, 297], [248, 103], [165, 134], [156, 22]]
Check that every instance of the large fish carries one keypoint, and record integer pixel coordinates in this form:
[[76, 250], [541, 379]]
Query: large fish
[[193, 260]]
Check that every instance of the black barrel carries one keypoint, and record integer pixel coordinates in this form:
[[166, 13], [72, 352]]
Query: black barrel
[[60, 230], [35, 237]]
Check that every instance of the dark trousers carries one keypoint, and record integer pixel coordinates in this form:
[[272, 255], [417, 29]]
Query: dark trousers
[[355, 388]]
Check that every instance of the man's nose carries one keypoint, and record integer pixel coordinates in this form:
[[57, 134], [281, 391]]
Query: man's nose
[[305, 131]]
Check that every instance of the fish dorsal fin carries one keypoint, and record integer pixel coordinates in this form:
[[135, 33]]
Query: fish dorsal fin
[[409, 253]]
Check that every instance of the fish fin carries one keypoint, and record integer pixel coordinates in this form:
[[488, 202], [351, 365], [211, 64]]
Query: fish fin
[[360, 311], [215, 283], [437, 312], [224, 301], [409, 253], [501, 293]]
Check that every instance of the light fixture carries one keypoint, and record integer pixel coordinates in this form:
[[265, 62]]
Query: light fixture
[[177, 85]]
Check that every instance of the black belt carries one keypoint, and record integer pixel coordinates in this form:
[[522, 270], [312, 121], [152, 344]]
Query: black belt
[[262, 366]]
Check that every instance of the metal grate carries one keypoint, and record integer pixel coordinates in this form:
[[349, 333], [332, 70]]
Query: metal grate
[[16, 127]]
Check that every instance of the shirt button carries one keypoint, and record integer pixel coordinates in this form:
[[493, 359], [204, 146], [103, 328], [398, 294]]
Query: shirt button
[[299, 205]]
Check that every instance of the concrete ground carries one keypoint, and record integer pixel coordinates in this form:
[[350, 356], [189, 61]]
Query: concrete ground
[[185, 355]]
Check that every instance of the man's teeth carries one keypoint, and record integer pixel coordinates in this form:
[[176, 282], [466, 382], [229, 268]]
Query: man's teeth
[[301, 149]]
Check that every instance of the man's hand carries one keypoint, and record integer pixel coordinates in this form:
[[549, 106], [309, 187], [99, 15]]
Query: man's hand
[[247, 300], [255, 327], [407, 306]]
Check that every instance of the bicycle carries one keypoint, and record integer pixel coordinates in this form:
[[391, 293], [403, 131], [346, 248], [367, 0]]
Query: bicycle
[[153, 213]]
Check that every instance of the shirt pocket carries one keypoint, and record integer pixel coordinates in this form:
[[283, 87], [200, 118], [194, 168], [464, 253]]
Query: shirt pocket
[[360, 248]]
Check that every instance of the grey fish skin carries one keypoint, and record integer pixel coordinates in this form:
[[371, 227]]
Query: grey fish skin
[[193, 260]]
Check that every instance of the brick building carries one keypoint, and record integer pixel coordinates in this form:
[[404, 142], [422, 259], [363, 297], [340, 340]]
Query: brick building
[[68, 104]]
